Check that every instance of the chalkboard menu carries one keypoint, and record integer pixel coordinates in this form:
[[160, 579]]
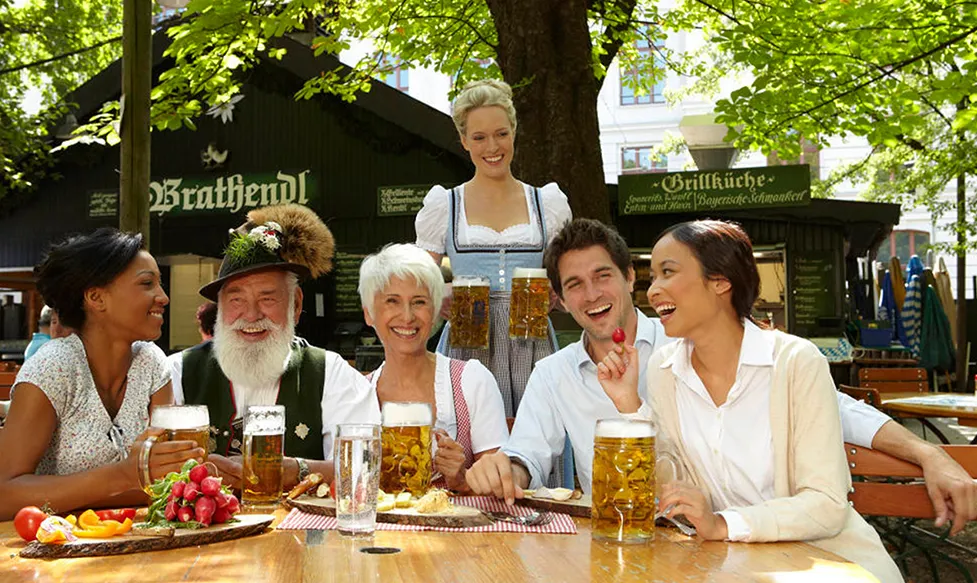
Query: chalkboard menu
[[103, 204], [814, 289], [347, 269], [393, 201]]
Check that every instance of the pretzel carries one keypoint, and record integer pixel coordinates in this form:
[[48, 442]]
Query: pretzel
[[302, 487]]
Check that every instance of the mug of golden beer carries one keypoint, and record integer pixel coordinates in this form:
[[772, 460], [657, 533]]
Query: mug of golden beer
[[529, 304], [624, 479], [264, 452], [183, 423], [406, 445], [469, 312]]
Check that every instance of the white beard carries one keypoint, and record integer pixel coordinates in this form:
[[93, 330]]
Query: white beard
[[254, 364]]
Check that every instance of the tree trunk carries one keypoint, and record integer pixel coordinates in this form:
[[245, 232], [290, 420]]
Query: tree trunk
[[545, 54], [962, 364], [137, 70]]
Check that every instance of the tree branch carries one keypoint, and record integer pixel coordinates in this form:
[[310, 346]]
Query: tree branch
[[61, 56], [613, 35]]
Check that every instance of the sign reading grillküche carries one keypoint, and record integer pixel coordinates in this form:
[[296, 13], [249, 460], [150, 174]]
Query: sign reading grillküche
[[230, 193], [713, 190], [395, 201]]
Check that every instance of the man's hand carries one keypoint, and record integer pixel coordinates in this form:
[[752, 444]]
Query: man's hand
[[951, 489], [618, 375], [689, 501], [493, 474], [230, 470], [450, 460]]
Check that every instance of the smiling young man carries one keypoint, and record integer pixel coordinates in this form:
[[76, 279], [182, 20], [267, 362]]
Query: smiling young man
[[255, 357], [589, 267]]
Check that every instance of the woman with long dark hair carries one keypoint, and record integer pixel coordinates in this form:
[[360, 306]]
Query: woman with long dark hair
[[80, 407], [752, 413]]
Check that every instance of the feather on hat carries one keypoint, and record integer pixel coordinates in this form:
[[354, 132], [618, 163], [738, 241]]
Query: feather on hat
[[289, 237]]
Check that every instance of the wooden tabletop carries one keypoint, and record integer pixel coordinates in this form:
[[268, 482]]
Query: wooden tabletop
[[431, 557], [963, 406]]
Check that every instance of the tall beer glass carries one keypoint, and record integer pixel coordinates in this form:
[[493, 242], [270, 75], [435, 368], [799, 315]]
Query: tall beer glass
[[469, 312], [264, 450], [183, 423], [623, 487], [406, 438], [357, 459], [529, 304]]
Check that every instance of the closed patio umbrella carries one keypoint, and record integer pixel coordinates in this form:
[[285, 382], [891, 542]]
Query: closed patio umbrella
[[936, 349], [898, 284], [887, 308], [912, 312]]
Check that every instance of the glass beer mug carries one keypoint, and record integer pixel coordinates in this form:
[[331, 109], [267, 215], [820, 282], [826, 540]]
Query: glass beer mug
[[469, 312], [624, 480], [529, 304], [183, 423], [406, 444], [264, 454]]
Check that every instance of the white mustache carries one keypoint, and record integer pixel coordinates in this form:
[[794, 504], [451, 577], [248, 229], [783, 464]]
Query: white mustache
[[262, 324]]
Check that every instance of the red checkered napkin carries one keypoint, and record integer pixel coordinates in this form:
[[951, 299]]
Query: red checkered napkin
[[561, 524]]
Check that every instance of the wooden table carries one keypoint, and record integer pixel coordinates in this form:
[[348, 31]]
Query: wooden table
[[962, 406], [431, 557]]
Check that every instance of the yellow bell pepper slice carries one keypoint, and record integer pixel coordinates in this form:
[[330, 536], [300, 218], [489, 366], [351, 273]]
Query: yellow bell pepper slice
[[72, 520], [106, 531], [89, 519]]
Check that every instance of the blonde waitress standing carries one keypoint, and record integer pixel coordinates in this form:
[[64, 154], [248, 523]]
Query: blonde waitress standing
[[491, 225]]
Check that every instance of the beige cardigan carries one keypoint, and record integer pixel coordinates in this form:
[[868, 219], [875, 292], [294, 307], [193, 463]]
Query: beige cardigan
[[811, 478]]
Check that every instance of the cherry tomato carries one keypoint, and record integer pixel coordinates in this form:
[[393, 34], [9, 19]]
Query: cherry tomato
[[27, 521], [618, 335]]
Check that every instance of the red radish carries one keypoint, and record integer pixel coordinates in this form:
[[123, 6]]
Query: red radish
[[210, 486], [184, 514], [170, 511], [191, 491], [233, 506], [618, 335], [220, 516], [169, 498], [177, 489], [223, 499], [198, 473], [204, 510]]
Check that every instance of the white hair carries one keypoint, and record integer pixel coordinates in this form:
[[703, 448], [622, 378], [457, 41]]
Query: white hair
[[401, 260]]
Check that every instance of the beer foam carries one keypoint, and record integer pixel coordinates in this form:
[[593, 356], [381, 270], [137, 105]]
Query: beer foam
[[624, 429], [469, 281], [175, 417], [529, 273], [403, 414]]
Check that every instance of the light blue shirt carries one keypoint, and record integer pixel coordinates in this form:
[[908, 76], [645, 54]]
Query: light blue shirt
[[38, 340], [564, 397]]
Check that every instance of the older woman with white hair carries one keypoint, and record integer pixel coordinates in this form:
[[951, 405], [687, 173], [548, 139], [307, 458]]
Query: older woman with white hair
[[401, 289]]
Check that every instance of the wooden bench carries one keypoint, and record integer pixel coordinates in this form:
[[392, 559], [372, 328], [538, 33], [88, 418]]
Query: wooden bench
[[869, 396], [893, 491], [894, 380]]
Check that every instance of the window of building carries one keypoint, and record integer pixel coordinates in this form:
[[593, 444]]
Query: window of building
[[904, 244], [641, 161], [396, 74], [634, 78]]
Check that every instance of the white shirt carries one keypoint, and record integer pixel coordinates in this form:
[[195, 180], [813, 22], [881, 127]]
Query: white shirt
[[347, 397], [431, 222], [566, 399], [731, 446], [485, 409], [563, 397]]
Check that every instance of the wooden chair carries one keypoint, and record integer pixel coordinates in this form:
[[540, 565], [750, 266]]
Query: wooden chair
[[6, 383], [893, 493], [868, 396], [894, 380]]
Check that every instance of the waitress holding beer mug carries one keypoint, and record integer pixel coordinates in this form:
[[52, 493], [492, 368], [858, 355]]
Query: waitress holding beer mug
[[400, 288], [751, 413], [489, 227], [80, 406]]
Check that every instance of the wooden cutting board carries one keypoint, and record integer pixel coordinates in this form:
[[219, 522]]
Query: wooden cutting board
[[579, 507], [248, 525], [460, 517]]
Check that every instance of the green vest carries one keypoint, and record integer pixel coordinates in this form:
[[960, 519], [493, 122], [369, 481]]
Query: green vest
[[299, 390]]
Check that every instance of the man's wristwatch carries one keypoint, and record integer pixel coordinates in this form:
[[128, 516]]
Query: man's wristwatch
[[303, 468]]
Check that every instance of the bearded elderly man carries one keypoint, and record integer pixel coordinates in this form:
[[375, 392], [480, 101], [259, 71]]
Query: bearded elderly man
[[255, 357]]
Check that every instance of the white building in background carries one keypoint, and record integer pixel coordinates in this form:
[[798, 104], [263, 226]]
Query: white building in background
[[631, 125]]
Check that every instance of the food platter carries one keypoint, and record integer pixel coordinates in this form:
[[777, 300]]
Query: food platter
[[459, 516]]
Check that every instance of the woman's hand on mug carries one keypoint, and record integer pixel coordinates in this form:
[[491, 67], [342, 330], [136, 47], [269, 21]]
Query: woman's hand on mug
[[685, 499], [162, 458], [618, 375], [450, 461]]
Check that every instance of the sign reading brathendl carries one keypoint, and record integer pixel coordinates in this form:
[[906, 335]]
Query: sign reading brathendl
[[393, 201], [713, 190], [230, 193]]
